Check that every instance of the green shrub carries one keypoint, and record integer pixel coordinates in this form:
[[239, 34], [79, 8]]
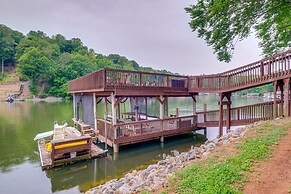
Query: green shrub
[[33, 89], [43, 95]]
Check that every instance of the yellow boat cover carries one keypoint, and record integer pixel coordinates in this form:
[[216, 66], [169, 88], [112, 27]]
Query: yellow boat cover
[[48, 146]]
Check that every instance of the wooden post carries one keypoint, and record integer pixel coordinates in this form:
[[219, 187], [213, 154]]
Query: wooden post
[[161, 107], [146, 107], [281, 86], [105, 124], [194, 104], [74, 106], [113, 109], [228, 96], [136, 109], [275, 99], [177, 112], [115, 148], [166, 106], [204, 110], [220, 115], [114, 120], [95, 113], [287, 97]]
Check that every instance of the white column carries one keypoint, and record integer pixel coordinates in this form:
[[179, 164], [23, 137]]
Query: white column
[[74, 106], [113, 109], [114, 120], [161, 107], [95, 113]]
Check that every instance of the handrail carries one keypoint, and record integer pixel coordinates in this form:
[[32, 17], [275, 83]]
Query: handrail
[[250, 75], [260, 72], [240, 107], [152, 121]]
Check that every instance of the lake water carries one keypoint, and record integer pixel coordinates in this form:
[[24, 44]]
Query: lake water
[[20, 170]]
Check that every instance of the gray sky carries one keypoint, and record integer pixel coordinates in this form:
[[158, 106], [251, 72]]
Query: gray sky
[[154, 33]]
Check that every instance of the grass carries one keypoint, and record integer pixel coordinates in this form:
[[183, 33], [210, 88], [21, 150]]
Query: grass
[[229, 174], [10, 78]]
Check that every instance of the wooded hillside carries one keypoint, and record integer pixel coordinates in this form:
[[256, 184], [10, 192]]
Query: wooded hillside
[[53, 61]]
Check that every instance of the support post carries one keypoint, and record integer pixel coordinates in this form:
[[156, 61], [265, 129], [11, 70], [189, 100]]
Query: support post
[[220, 115], [95, 113], [115, 148], [275, 100], [105, 122], [177, 112], [136, 109], [74, 105], [146, 107], [227, 119], [113, 108], [287, 97], [194, 104], [161, 107], [162, 139], [228, 96], [114, 121], [204, 110], [281, 87], [166, 102]]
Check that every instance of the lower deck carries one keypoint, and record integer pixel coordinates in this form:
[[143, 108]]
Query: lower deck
[[125, 133]]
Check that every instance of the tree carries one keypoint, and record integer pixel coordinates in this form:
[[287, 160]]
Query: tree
[[8, 40], [222, 23], [34, 65], [41, 42]]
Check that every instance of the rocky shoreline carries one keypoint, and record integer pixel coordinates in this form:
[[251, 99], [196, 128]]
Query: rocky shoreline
[[155, 176], [47, 99]]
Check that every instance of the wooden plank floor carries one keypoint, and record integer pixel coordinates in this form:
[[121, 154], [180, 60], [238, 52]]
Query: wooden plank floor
[[70, 132]]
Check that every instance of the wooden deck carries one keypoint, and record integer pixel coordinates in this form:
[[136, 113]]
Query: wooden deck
[[130, 83], [70, 134], [145, 130], [119, 84]]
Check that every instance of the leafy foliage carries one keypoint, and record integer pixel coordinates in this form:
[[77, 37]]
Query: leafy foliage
[[34, 65], [8, 41], [260, 90], [53, 61], [222, 23]]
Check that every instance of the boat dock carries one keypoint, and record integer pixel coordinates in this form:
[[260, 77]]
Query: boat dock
[[74, 147]]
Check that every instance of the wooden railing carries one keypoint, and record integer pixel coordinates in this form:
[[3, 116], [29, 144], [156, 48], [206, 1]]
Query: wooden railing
[[113, 78], [146, 127], [239, 115], [121, 78], [92, 81], [260, 72]]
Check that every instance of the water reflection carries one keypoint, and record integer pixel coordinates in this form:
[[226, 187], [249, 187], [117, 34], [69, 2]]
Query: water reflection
[[20, 170], [92, 173]]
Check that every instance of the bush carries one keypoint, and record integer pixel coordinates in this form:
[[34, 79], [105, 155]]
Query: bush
[[33, 89], [44, 95]]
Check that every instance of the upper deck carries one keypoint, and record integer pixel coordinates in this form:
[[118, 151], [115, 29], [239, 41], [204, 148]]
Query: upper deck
[[130, 83], [134, 83]]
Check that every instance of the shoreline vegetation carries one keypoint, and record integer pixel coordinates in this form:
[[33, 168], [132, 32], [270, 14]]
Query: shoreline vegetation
[[50, 62], [221, 165]]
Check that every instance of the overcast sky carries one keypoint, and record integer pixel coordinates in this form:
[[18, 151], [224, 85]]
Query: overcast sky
[[154, 33]]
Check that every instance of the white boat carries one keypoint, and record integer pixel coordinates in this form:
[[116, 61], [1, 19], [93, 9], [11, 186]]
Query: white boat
[[43, 135]]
